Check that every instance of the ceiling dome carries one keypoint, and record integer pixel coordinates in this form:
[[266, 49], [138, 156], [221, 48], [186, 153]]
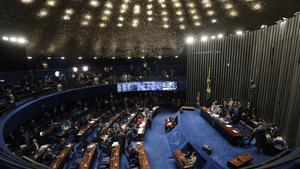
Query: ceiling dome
[[123, 28]]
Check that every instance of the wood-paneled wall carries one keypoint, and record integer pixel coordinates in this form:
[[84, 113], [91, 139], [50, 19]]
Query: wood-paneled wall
[[270, 56]]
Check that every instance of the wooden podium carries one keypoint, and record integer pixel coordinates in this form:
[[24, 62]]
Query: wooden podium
[[240, 161]]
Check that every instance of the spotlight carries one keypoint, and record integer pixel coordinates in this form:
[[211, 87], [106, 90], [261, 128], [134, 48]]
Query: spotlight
[[213, 37], [176, 56], [85, 68], [143, 57], [128, 57], [5, 38], [220, 36], [62, 58], [204, 38], [49, 58], [113, 57], [263, 26], [95, 58], [79, 57], [22, 40], [13, 39], [29, 57], [159, 57], [189, 40], [56, 73], [75, 69], [239, 32]]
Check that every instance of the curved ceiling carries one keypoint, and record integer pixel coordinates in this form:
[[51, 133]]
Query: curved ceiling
[[120, 28]]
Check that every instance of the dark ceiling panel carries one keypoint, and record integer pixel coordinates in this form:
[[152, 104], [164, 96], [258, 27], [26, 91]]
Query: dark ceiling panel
[[81, 35]]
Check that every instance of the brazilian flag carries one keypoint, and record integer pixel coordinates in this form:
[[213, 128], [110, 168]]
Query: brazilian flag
[[208, 89]]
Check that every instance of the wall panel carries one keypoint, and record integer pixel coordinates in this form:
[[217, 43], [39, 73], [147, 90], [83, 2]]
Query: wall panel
[[269, 56]]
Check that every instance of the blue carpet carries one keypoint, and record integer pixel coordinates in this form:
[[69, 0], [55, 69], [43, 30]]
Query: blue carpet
[[156, 143], [199, 132]]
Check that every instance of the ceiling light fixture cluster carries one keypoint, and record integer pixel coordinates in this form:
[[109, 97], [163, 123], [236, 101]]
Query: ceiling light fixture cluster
[[14, 39]]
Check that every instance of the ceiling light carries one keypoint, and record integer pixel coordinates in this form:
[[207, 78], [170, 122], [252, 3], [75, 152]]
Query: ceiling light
[[56, 73], [79, 57], [66, 17], [233, 13], [84, 23], [21, 40], [149, 6], [136, 9], [256, 6], [166, 26], [143, 57], [5, 38], [85, 68], [62, 58], [239, 32], [220, 36], [181, 26], [119, 25], [213, 37], [13, 39], [109, 5], [128, 57], [197, 24], [42, 13], [121, 18], [49, 58], [189, 40], [263, 26], [210, 12], [94, 3], [176, 56], [150, 19], [75, 69], [51, 2], [204, 38], [69, 11], [95, 58], [27, 1], [29, 57], [87, 17], [102, 25], [113, 57], [159, 57], [213, 20]]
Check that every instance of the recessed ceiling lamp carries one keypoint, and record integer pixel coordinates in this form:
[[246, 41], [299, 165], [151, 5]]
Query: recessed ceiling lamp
[[189, 40], [51, 2], [42, 13], [94, 3], [26, 1]]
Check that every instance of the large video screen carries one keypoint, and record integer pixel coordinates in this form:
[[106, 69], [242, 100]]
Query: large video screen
[[147, 86]]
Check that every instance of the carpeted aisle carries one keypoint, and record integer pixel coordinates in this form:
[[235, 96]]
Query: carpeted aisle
[[156, 143]]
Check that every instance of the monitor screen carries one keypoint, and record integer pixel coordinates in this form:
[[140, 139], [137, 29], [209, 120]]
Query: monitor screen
[[147, 86]]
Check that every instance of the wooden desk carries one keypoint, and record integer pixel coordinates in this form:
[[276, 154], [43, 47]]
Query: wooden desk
[[233, 135], [188, 108], [37, 155], [88, 156], [240, 161], [47, 130], [142, 156], [181, 161], [114, 162], [61, 159], [90, 125], [109, 123]]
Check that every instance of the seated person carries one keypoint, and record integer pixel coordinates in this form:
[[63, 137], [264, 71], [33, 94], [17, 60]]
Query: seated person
[[170, 123], [48, 156], [192, 159]]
